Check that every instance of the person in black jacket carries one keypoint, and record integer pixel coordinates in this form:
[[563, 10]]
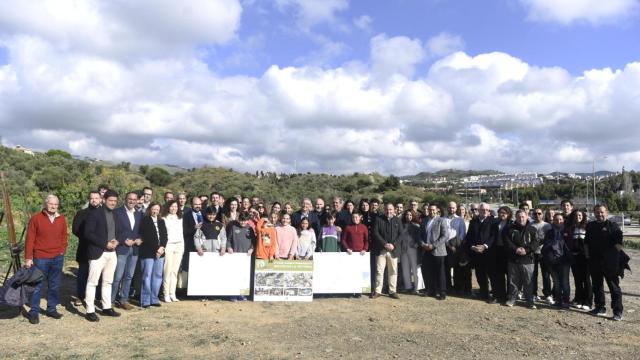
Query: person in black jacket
[[101, 230], [77, 228], [557, 257], [153, 233], [387, 234], [521, 244], [499, 257], [479, 240], [192, 220], [603, 245]]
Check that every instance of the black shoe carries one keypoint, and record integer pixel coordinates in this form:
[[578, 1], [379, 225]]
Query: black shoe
[[617, 317], [441, 297], [156, 305], [54, 315], [110, 312], [374, 295], [394, 296], [92, 317], [492, 300], [598, 311], [34, 319], [145, 307]]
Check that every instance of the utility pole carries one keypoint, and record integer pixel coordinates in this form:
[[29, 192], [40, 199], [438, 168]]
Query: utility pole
[[594, 182]]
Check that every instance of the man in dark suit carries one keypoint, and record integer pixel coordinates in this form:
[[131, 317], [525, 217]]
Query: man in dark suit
[[479, 239], [128, 236], [79, 221], [101, 230], [307, 213], [192, 220]]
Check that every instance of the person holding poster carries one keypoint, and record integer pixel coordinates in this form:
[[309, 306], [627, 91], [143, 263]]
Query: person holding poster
[[306, 241], [287, 238], [355, 237], [266, 241], [329, 235], [241, 239], [211, 237]]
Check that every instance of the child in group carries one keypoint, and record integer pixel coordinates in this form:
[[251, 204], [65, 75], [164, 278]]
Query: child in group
[[329, 237], [266, 242], [241, 239], [306, 241], [355, 237], [211, 237], [287, 238]]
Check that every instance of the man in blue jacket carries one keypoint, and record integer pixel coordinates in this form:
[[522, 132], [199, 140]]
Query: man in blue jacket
[[101, 230], [128, 236]]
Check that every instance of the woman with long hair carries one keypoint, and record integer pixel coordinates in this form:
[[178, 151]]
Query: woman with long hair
[[583, 298], [172, 217], [230, 211], [153, 233], [409, 250]]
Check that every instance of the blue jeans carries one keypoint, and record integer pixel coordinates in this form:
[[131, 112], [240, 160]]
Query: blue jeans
[[52, 269], [81, 279], [124, 273], [561, 287], [151, 280]]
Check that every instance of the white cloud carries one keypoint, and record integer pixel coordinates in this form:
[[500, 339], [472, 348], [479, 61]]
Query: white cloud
[[396, 56], [363, 22], [444, 44], [313, 12], [567, 12], [486, 111], [123, 29]]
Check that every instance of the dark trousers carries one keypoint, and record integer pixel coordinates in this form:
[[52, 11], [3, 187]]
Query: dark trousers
[[546, 277], [52, 270], [436, 278], [613, 282], [561, 287], [81, 279], [462, 279], [449, 265], [582, 281], [480, 263], [498, 273]]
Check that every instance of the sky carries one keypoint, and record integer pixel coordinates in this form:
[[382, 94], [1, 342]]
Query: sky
[[334, 86]]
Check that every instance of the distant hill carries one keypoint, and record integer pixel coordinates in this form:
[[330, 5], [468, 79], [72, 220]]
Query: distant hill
[[448, 173]]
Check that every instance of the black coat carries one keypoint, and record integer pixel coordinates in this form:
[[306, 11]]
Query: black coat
[[524, 237], [481, 233], [77, 228], [151, 241], [387, 231], [96, 233]]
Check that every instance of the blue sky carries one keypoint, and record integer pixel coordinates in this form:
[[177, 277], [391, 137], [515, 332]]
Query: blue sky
[[484, 26], [333, 86]]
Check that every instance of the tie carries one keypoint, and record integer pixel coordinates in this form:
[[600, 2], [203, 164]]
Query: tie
[[199, 217]]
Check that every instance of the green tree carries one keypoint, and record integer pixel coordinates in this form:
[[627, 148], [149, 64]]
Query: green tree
[[57, 152], [159, 176]]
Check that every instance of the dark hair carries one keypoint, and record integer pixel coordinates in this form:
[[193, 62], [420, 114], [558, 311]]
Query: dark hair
[[523, 204], [146, 188], [167, 193], [103, 186], [414, 216], [193, 198], [152, 204], [300, 225], [93, 192], [244, 216], [374, 201], [507, 210], [210, 210], [600, 206], [165, 210], [565, 201], [574, 219], [362, 202], [110, 193], [214, 193], [140, 193], [330, 215], [131, 192]]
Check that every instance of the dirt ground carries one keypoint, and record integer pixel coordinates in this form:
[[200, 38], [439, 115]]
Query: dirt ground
[[410, 328]]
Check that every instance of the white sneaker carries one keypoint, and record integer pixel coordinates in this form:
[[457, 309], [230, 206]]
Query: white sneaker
[[549, 300], [586, 307], [174, 298], [167, 299]]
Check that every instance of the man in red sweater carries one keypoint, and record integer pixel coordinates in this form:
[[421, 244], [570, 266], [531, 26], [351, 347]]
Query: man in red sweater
[[45, 247]]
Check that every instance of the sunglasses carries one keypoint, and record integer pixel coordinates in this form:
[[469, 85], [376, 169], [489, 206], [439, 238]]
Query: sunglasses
[[474, 209]]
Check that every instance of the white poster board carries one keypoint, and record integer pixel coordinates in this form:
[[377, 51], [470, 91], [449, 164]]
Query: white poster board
[[283, 280], [341, 273], [212, 274]]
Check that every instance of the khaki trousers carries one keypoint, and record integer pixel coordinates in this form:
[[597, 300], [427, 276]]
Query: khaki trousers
[[383, 260], [105, 265], [172, 259]]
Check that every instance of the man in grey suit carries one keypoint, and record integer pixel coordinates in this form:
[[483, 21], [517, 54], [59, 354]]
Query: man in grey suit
[[435, 234]]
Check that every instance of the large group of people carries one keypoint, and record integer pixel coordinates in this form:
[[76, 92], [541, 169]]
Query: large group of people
[[437, 247]]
